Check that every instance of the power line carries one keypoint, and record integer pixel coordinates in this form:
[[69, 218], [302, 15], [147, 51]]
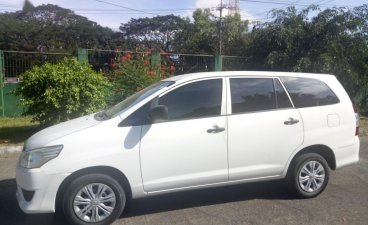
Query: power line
[[287, 3], [137, 10], [127, 12], [298, 4], [130, 13], [168, 9], [6, 5], [273, 2]]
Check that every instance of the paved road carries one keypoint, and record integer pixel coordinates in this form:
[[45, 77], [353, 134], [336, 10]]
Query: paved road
[[345, 201]]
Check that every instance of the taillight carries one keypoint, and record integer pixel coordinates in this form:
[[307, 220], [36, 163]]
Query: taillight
[[356, 120]]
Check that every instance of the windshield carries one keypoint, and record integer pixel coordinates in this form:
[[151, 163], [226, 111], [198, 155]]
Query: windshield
[[132, 100]]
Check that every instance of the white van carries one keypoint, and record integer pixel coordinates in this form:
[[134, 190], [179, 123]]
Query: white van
[[187, 132]]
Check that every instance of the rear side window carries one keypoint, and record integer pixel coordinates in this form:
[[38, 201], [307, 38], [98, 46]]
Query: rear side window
[[308, 92], [252, 94]]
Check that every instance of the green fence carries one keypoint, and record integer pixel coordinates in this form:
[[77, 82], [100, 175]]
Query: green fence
[[232, 63], [17, 62], [102, 60], [11, 102], [188, 63], [14, 63]]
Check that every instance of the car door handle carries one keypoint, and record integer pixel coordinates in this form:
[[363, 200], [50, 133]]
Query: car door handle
[[216, 129], [291, 121]]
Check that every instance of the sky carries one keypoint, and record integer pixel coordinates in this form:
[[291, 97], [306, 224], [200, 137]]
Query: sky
[[111, 13]]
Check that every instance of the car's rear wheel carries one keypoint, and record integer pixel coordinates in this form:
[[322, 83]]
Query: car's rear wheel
[[308, 175], [93, 199]]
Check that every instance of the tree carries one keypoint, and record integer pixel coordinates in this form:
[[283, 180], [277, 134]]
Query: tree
[[58, 92], [133, 72], [154, 33], [334, 41], [27, 6], [51, 28], [202, 35]]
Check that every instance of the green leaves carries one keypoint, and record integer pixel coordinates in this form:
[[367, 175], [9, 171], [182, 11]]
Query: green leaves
[[50, 28], [155, 33], [334, 41], [134, 72], [202, 35], [58, 92]]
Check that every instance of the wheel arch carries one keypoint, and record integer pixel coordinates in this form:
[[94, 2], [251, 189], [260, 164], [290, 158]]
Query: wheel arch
[[107, 170], [322, 150]]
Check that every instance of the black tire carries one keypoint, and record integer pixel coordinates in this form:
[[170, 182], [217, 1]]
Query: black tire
[[98, 180], [316, 184]]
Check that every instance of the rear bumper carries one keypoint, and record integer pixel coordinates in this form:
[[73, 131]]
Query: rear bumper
[[347, 155]]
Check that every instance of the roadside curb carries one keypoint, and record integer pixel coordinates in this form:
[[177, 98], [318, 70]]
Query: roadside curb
[[10, 148]]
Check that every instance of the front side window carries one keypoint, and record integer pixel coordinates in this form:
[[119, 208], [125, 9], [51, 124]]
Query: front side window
[[308, 92], [252, 94], [132, 100], [194, 100]]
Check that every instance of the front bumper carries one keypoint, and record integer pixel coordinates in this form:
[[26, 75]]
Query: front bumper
[[44, 186]]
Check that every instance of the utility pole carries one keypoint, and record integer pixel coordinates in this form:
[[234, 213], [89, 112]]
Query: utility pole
[[233, 7], [220, 29], [218, 58]]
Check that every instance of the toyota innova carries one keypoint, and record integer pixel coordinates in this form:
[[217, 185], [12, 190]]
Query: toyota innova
[[188, 132]]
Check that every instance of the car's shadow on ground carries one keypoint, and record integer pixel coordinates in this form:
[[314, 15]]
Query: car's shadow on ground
[[10, 214], [211, 196]]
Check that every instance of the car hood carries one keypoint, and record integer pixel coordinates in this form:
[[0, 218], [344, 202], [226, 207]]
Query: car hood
[[52, 133]]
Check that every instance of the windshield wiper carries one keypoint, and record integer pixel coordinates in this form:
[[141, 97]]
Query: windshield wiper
[[101, 116]]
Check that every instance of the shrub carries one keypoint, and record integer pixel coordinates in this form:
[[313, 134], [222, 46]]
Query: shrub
[[133, 72], [53, 93]]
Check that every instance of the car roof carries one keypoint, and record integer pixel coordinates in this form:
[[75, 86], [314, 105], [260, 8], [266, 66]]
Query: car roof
[[194, 76]]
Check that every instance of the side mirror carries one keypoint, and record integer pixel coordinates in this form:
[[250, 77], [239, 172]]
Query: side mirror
[[158, 113]]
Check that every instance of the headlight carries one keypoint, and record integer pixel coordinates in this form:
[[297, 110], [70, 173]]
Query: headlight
[[35, 158]]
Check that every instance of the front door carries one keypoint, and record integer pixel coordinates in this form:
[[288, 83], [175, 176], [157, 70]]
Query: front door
[[190, 148]]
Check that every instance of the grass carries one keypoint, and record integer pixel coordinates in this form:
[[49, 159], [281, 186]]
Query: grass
[[364, 125], [15, 130]]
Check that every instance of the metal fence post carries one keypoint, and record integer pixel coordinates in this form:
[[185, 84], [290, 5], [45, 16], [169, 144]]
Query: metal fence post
[[155, 58], [2, 77], [218, 62], [82, 55]]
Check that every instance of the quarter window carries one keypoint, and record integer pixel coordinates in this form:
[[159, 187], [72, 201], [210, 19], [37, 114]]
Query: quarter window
[[307, 92], [194, 100], [137, 118], [252, 94]]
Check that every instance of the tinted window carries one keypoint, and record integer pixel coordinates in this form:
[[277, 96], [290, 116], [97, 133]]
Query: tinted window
[[252, 94], [137, 118], [282, 99], [198, 99], [134, 99], [307, 92]]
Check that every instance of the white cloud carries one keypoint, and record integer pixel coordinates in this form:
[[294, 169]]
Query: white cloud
[[215, 3], [245, 15], [210, 4], [207, 3]]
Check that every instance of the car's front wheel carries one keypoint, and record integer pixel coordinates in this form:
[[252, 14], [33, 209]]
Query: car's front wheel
[[308, 175], [93, 199]]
